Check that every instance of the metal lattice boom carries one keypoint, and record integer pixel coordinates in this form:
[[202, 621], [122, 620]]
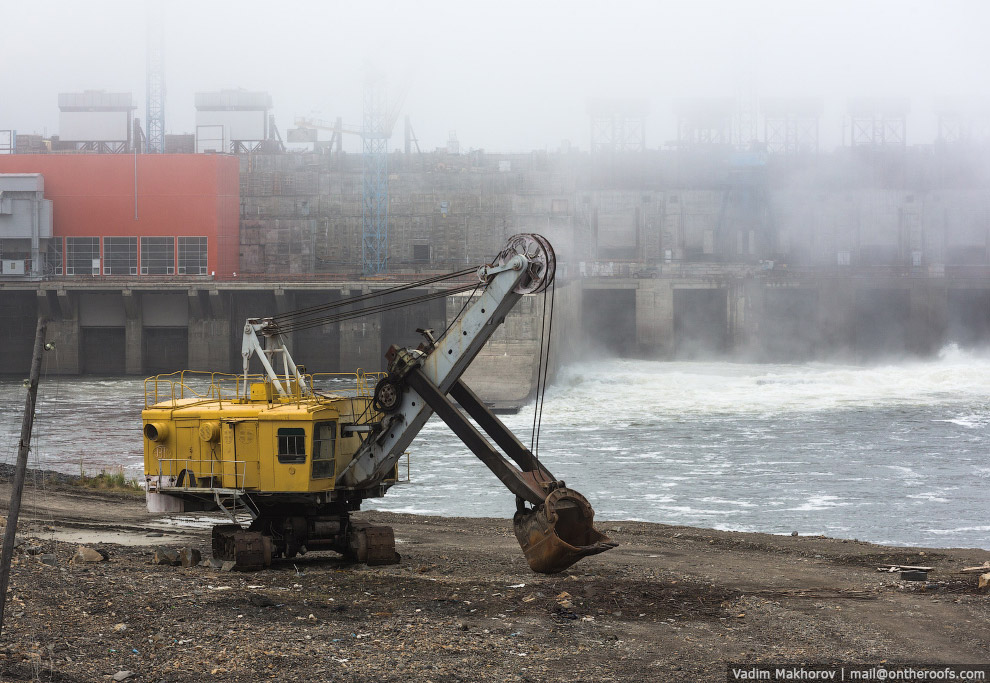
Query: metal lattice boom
[[156, 90], [374, 207]]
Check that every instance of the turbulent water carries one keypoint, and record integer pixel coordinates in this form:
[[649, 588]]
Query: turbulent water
[[895, 453]]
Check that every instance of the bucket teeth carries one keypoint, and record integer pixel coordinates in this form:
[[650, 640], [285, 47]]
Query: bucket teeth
[[559, 532]]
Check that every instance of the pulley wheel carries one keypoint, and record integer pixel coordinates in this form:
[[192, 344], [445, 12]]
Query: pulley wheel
[[388, 395], [542, 261]]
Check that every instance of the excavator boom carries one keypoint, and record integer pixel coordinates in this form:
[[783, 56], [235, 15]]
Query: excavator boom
[[557, 528]]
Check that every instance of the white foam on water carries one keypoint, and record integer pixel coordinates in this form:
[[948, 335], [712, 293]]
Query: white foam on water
[[971, 421], [958, 530], [729, 527], [903, 471], [929, 497], [821, 502], [688, 511], [382, 504], [657, 497], [725, 501], [871, 451], [647, 394]]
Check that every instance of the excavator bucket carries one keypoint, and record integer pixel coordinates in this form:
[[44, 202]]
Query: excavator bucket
[[560, 532]]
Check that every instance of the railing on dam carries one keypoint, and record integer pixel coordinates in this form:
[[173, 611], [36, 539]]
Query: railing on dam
[[766, 269], [770, 270]]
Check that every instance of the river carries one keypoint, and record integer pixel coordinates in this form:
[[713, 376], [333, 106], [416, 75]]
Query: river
[[893, 453]]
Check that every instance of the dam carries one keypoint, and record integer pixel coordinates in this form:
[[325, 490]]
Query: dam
[[149, 263]]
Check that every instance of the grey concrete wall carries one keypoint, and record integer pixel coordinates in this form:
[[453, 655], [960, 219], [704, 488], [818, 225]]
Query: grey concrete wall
[[507, 371], [690, 217], [301, 213], [361, 345], [755, 315], [655, 318], [133, 331]]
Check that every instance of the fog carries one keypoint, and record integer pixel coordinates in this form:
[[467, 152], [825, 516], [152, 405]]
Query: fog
[[506, 76], [511, 77]]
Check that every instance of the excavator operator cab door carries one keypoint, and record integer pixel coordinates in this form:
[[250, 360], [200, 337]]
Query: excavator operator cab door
[[238, 467], [324, 453]]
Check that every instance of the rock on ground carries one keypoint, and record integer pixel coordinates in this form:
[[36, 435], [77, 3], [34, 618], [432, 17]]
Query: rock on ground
[[86, 555]]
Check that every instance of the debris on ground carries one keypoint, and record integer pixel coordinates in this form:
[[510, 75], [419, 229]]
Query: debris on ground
[[671, 604]]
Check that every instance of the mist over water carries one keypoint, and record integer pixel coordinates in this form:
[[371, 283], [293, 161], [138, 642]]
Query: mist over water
[[896, 453]]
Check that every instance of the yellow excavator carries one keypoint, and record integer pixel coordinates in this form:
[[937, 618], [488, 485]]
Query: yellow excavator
[[300, 452]]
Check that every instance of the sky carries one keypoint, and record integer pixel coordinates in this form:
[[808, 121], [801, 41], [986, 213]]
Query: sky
[[505, 75]]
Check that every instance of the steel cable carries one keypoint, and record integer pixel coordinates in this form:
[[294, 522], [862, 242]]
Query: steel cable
[[546, 365], [319, 308], [308, 323], [539, 377]]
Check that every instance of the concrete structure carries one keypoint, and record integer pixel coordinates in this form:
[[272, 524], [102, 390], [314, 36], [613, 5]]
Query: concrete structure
[[677, 254], [25, 225], [791, 124], [231, 121], [618, 126], [104, 330], [154, 215], [302, 212], [705, 121], [878, 122], [768, 316], [685, 312], [96, 121]]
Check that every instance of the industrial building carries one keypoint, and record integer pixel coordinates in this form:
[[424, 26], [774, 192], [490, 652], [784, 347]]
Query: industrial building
[[96, 121], [770, 249], [25, 225], [232, 121], [118, 215]]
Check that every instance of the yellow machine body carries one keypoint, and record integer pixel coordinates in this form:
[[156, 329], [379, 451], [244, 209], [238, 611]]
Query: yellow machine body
[[207, 436]]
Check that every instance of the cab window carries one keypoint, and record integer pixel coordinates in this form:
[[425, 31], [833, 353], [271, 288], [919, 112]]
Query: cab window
[[291, 445], [323, 437]]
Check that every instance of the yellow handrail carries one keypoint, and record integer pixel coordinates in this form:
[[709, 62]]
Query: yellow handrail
[[185, 384], [220, 386]]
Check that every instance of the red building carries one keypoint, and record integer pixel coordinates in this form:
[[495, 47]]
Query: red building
[[156, 215]]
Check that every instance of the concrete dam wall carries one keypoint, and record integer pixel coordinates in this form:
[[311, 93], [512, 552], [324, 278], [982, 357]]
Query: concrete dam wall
[[682, 254]]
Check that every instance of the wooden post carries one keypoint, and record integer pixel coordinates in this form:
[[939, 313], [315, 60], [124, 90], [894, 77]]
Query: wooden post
[[19, 471]]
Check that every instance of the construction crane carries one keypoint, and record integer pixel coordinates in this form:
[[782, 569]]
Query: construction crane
[[155, 140], [379, 117], [379, 121], [337, 130], [411, 139]]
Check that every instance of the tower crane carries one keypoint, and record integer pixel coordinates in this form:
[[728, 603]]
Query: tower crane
[[380, 115], [155, 141]]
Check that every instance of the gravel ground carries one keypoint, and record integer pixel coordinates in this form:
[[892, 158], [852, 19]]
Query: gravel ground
[[671, 604]]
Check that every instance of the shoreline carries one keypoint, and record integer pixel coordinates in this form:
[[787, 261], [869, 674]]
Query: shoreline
[[672, 603], [59, 479]]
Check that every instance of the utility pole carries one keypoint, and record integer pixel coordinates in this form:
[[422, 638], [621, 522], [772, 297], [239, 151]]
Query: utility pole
[[19, 471]]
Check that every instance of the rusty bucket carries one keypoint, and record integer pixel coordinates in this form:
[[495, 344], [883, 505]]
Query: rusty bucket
[[560, 532]]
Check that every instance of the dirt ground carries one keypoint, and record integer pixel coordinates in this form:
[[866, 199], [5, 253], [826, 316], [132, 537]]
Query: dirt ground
[[669, 604]]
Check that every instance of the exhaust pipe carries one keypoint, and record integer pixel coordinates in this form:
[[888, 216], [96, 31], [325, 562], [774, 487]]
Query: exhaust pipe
[[559, 532]]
